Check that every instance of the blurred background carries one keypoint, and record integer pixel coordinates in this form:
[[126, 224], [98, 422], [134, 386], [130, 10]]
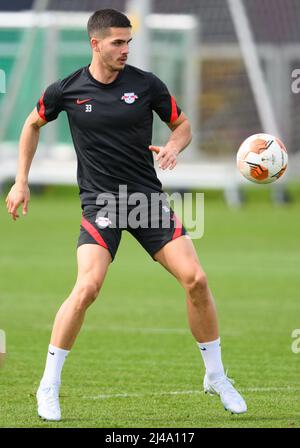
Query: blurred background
[[229, 63]]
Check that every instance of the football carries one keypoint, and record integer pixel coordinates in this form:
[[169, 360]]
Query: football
[[262, 158]]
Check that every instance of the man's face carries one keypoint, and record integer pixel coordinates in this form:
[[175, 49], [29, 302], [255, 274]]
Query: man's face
[[113, 49]]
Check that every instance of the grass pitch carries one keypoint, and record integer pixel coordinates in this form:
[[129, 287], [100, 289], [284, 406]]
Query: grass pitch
[[135, 363]]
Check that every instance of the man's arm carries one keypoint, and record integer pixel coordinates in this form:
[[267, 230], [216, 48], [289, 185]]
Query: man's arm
[[180, 138], [20, 193]]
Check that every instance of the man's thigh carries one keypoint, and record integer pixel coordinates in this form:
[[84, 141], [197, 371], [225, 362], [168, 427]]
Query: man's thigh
[[92, 257], [179, 257]]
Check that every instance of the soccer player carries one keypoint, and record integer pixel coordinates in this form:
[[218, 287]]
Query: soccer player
[[110, 107]]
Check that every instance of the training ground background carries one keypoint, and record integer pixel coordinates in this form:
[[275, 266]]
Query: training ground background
[[135, 363]]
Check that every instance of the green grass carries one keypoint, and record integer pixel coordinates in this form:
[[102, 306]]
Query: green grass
[[135, 340]]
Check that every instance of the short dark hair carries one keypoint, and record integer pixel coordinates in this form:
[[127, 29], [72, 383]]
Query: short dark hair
[[103, 19]]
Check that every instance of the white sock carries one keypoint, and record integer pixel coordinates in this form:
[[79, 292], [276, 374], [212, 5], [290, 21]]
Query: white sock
[[54, 364], [211, 354]]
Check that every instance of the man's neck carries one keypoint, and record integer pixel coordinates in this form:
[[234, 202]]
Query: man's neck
[[102, 74]]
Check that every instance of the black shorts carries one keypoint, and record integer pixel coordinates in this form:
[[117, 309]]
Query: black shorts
[[152, 235]]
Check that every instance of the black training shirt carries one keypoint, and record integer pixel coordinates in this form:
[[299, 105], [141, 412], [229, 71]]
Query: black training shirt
[[111, 127]]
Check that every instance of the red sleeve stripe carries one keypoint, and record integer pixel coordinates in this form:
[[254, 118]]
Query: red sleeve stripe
[[93, 232], [178, 228], [174, 113], [42, 108]]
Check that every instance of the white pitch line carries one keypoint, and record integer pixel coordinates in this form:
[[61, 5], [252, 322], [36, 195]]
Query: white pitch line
[[145, 330], [129, 395], [188, 392], [271, 389]]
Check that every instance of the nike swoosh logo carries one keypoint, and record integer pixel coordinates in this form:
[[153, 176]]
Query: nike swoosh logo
[[202, 348], [51, 353], [83, 101]]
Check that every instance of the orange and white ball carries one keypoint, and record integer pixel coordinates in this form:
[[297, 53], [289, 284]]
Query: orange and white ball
[[262, 158]]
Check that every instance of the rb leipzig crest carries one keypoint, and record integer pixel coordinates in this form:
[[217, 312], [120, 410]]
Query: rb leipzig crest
[[129, 98]]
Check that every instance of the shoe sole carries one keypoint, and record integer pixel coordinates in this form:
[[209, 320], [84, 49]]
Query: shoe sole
[[235, 413], [49, 419]]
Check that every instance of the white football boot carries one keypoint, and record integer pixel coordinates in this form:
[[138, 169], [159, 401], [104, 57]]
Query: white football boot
[[48, 402], [230, 398]]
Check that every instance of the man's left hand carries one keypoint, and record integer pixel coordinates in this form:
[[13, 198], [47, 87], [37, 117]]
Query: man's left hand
[[166, 156]]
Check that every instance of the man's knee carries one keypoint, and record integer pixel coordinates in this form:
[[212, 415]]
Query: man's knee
[[86, 293], [195, 280]]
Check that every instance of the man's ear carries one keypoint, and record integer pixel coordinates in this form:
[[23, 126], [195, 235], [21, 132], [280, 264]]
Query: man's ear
[[94, 44]]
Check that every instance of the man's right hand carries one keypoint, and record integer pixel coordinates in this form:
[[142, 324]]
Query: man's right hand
[[19, 194]]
